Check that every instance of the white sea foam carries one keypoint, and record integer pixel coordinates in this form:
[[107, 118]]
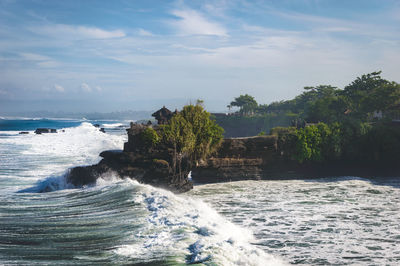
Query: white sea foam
[[178, 224], [84, 143], [172, 225], [113, 125], [50, 155], [346, 220]]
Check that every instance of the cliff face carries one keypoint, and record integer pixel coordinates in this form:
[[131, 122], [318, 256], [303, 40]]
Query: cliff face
[[256, 158], [239, 159]]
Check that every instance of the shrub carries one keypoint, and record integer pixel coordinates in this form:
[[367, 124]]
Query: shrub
[[150, 137]]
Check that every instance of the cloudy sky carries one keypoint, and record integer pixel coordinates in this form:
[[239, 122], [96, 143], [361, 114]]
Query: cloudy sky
[[119, 55]]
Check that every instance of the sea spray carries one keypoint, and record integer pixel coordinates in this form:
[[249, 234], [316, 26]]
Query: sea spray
[[178, 224], [31, 158]]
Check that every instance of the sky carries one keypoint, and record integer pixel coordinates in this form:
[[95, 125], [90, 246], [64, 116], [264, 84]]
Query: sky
[[85, 56]]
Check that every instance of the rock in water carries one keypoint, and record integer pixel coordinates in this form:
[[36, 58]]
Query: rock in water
[[45, 130]]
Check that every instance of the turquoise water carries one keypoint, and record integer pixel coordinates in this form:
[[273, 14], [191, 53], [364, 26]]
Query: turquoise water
[[30, 124]]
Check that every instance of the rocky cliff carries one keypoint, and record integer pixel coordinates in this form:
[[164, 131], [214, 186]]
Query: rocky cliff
[[250, 158], [136, 161]]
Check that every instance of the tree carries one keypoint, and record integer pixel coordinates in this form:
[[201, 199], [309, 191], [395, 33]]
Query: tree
[[208, 135], [179, 133], [193, 136], [149, 137], [317, 143], [246, 103], [360, 95]]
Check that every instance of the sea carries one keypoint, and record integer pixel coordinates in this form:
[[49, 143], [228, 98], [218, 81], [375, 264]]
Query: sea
[[329, 221]]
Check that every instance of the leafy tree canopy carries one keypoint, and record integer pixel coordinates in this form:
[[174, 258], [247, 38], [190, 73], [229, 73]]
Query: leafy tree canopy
[[192, 134], [360, 100], [246, 103]]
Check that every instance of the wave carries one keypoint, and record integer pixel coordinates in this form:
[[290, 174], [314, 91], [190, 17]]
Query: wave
[[37, 157], [189, 225], [84, 141], [174, 225], [60, 182], [114, 125], [50, 184]]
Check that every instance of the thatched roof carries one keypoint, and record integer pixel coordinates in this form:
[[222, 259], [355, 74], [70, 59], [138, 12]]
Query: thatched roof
[[163, 115]]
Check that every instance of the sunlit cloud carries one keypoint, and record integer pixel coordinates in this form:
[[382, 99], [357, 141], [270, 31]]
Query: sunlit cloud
[[59, 88], [34, 57], [191, 22], [86, 87], [76, 32], [195, 50], [144, 33]]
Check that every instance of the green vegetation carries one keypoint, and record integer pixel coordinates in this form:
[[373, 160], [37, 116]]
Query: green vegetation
[[367, 99], [327, 123], [149, 137], [192, 135], [241, 126], [246, 103], [362, 142], [318, 142]]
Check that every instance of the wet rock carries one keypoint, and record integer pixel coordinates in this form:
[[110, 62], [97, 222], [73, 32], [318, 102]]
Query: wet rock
[[45, 130]]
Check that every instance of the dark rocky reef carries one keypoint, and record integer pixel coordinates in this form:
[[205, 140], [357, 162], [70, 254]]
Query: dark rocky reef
[[45, 130], [136, 161]]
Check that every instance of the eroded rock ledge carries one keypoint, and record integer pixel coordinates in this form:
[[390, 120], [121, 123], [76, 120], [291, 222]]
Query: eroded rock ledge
[[251, 158]]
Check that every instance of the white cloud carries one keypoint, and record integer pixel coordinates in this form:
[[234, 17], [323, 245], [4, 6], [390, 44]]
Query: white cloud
[[145, 33], [34, 57], [86, 87], [191, 22], [48, 64], [40, 60], [59, 88], [98, 88], [335, 25], [77, 32]]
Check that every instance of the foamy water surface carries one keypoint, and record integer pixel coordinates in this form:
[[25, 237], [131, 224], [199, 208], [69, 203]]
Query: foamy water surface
[[328, 221]]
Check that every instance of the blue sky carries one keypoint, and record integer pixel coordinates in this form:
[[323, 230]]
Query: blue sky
[[118, 55]]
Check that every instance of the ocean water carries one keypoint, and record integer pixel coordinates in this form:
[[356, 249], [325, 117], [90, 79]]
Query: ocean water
[[339, 221]]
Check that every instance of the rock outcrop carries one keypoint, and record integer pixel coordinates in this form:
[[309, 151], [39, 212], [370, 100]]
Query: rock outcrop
[[148, 166], [257, 158], [45, 130], [250, 158]]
